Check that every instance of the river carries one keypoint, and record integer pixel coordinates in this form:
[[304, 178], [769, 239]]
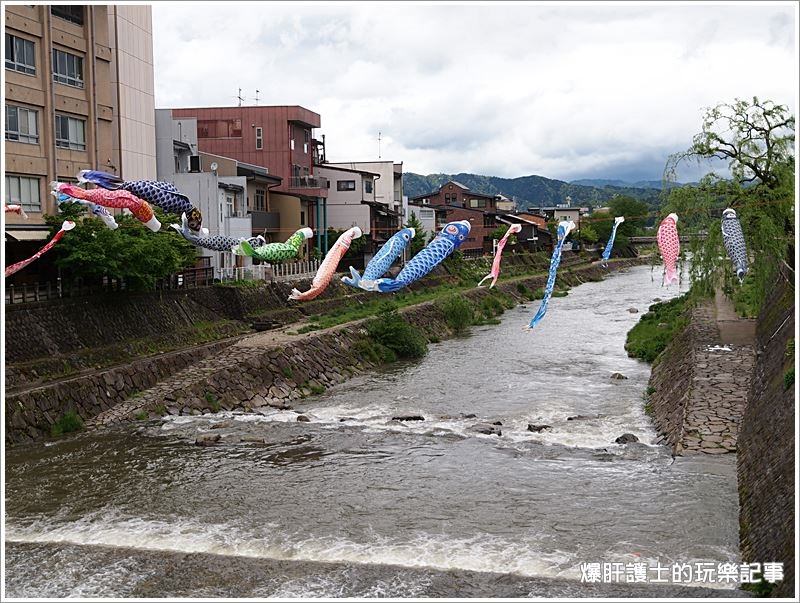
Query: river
[[355, 504]]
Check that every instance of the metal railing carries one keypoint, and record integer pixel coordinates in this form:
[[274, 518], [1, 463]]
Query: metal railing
[[296, 270], [27, 293], [261, 272], [271, 272]]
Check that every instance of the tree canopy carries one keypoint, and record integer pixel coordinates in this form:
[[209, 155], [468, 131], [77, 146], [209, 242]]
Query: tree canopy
[[420, 236], [131, 252], [757, 140]]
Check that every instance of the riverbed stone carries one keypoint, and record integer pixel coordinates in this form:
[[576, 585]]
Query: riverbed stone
[[207, 439], [626, 438], [486, 429], [539, 428]]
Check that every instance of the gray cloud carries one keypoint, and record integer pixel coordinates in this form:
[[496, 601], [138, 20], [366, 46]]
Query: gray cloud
[[561, 91]]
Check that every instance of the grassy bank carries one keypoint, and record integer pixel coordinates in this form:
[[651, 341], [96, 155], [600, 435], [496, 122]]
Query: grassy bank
[[657, 327]]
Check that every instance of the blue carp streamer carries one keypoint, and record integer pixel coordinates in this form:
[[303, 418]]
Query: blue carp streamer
[[563, 230], [162, 194], [607, 252], [733, 238], [445, 243], [381, 261]]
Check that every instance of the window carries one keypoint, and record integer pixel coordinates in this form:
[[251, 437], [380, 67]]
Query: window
[[230, 202], [426, 201], [291, 144], [20, 55], [70, 133], [24, 191], [302, 218], [345, 185], [367, 186], [67, 68], [306, 137], [488, 220], [21, 125], [70, 13], [477, 203], [219, 128], [259, 138], [260, 200]]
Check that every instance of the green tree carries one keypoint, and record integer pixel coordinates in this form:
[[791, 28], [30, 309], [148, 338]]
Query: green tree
[[131, 252], [420, 235], [636, 215], [587, 233], [757, 140]]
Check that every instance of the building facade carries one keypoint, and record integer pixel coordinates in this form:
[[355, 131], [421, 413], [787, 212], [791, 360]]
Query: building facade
[[79, 95], [212, 183], [386, 209], [454, 201], [278, 138], [349, 194]]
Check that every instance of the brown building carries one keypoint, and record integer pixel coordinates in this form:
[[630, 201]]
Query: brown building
[[454, 201], [278, 138], [78, 95]]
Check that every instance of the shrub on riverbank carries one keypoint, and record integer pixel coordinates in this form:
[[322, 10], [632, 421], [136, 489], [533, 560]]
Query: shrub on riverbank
[[656, 328], [69, 422], [458, 313], [391, 331]]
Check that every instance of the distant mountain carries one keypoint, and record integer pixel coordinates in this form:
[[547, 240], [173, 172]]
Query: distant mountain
[[534, 191], [600, 183]]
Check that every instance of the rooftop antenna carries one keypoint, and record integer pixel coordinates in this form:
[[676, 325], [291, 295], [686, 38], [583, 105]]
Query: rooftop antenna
[[379, 145], [256, 99], [239, 96]]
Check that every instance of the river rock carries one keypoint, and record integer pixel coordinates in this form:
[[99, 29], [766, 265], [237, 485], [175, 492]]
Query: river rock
[[303, 419], [582, 417], [409, 418], [207, 439], [633, 310], [618, 376], [657, 299], [626, 438], [343, 419], [497, 423], [251, 438], [221, 425], [486, 429], [538, 428], [469, 416]]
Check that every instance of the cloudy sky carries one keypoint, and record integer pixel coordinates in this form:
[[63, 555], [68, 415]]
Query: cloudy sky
[[563, 91]]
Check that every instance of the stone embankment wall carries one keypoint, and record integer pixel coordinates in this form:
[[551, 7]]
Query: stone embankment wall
[[767, 448], [241, 373], [255, 373], [699, 387]]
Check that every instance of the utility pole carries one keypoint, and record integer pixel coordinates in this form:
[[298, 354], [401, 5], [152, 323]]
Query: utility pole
[[256, 99], [239, 96], [379, 145]]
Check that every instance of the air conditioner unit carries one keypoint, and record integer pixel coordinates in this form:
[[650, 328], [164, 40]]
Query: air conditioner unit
[[194, 164]]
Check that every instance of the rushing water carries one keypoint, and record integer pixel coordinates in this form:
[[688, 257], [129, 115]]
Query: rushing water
[[353, 503]]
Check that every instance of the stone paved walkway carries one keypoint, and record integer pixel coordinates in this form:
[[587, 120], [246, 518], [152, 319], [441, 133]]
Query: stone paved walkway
[[724, 355]]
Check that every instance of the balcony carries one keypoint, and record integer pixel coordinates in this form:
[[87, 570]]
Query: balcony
[[308, 182], [266, 220]]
